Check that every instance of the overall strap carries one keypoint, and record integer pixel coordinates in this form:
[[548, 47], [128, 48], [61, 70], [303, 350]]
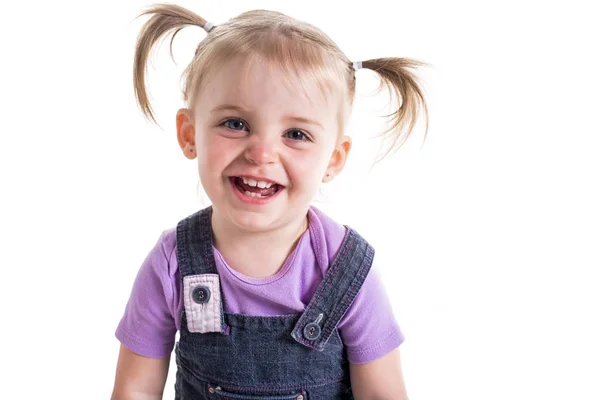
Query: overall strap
[[195, 255], [202, 295], [336, 292]]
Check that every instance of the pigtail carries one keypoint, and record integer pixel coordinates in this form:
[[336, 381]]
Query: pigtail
[[396, 75], [166, 18]]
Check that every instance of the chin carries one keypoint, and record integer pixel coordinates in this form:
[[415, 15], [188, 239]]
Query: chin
[[253, 221]]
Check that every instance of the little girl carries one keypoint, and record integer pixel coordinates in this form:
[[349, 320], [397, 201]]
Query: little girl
[[272, 298]]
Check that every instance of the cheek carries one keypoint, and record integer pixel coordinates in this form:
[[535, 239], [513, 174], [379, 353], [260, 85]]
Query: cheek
[[214, 150], [310, 170]]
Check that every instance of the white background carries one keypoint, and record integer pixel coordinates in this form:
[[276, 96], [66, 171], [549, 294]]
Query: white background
[[488, 232]]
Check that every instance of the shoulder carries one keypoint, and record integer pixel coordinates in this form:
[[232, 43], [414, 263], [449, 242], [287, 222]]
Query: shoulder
[[160, 264], [327, 235], [167, 242], [330, 225], [161, 260], [159, 271]]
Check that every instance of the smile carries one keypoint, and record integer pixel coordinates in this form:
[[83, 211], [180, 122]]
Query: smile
[[254, 191]]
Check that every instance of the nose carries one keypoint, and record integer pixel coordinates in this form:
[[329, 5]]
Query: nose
[[261, 151]]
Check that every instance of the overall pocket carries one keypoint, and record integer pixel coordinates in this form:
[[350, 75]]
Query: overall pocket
[[215, 392]]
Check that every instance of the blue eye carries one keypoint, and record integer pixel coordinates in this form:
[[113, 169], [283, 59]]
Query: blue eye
[[296, 135], [235, 124]]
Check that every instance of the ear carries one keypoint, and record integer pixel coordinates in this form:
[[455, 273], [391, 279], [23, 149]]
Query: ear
[[338, 158], [186, 133]]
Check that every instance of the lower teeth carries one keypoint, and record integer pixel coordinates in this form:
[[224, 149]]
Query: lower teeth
[[252, 194]]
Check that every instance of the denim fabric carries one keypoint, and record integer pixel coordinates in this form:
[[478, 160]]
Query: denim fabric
[[290, 357]]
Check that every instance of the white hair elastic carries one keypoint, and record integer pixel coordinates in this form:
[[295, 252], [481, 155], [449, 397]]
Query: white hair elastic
[[208, 27], [357, 65]]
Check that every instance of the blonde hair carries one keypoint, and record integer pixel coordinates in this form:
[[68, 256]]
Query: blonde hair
[[292, 45]]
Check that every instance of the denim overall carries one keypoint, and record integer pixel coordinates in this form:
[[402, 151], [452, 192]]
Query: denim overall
[[223, 355]]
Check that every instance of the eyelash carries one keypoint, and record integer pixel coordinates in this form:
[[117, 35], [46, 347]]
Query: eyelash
[[224, 124]]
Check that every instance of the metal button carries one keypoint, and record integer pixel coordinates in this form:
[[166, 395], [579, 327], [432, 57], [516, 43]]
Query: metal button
[[201, 294], [300, 397], [211, 390], [312, 331]]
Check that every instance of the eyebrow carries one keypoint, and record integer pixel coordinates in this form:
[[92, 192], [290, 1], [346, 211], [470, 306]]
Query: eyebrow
[[228, 107], [305, 120], [232, 107]]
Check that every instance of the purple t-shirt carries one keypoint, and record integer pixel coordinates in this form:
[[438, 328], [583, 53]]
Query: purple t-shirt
[[152, 315]]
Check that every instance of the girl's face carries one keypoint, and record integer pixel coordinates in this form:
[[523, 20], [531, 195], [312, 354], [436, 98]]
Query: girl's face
[[264, 145]]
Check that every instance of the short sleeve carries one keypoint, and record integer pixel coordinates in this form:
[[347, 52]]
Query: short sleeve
[[369, 329], [148, 325]]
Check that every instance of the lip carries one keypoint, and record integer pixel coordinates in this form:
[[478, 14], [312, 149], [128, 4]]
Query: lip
[[252, 200]]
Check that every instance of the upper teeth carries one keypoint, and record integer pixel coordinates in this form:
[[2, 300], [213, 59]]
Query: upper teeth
[[260, 184]]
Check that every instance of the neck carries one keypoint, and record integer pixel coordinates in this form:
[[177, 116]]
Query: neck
[[239, 247]]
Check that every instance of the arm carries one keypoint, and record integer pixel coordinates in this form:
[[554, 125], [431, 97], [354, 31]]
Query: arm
[[139, 377], [379, 380], [148, 327]]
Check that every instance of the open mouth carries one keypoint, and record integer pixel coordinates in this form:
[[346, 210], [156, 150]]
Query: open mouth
[[253, 188]]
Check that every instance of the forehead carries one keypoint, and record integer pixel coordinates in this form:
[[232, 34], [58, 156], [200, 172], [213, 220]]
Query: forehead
[[253, 83]]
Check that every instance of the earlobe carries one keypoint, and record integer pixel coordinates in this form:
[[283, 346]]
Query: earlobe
[[186, 133]]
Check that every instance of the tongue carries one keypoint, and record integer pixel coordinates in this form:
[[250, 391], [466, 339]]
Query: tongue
[[255, 189]]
